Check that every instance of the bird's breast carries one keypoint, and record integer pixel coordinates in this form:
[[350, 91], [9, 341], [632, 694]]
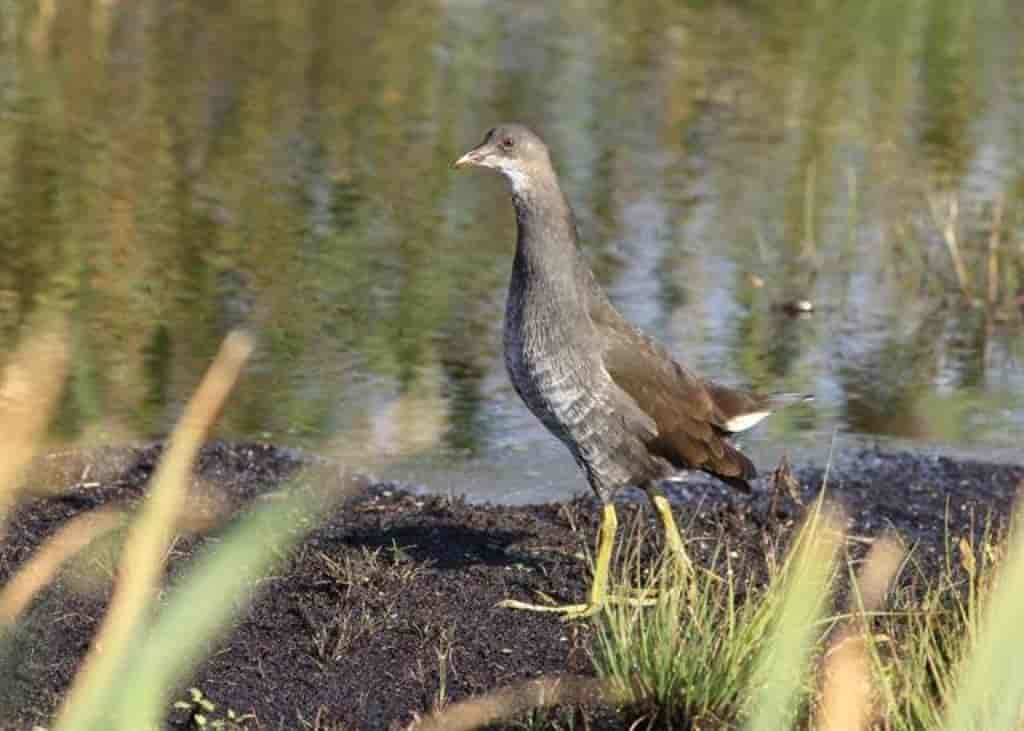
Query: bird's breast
[[559, 375], [555, 375]]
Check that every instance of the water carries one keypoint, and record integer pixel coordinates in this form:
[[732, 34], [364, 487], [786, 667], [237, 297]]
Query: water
[[170, 171]]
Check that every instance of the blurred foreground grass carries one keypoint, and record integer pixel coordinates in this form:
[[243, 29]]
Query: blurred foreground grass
[[718, 649]]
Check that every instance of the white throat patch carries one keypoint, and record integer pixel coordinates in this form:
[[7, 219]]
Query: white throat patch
[[518, 181]]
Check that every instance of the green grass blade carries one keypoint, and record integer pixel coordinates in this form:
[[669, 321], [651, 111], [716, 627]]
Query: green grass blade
[[991, 685], [142, 562], [781, 666], [213, 591]]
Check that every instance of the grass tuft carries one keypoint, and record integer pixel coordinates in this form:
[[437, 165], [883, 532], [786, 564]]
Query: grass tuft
[[716, 649], [717, 643]]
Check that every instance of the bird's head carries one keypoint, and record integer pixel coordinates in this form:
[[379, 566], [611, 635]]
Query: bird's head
[[515, 152]]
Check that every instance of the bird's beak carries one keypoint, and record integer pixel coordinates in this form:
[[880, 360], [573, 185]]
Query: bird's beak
[[475, 157]]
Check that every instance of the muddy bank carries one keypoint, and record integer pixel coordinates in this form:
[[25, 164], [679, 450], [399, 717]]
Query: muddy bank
[[397, 588]]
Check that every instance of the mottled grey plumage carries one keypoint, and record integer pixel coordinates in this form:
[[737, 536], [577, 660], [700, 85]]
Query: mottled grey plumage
[[626, 410]]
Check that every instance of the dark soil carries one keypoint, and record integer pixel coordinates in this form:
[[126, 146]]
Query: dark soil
[[352, 628]]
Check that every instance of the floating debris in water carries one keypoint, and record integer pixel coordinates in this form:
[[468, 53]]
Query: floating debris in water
[[796, 307]]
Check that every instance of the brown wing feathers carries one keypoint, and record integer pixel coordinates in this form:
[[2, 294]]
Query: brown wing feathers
[[690, 413]]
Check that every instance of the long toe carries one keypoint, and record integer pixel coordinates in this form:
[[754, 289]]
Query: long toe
[[635, 598], [569, 612]]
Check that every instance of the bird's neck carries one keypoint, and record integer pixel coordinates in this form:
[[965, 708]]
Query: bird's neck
[[546, 252]]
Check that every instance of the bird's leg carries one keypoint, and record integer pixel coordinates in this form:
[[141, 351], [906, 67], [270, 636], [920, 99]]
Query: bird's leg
[[599, 595], [673, 541], [605, 544]]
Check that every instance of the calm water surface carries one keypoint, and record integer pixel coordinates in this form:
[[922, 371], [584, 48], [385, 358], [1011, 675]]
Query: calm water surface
[[169, 171]]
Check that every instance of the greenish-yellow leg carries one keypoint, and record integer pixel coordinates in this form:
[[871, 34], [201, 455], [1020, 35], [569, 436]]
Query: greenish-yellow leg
[[602, 567], [673, 541], [599, 595]]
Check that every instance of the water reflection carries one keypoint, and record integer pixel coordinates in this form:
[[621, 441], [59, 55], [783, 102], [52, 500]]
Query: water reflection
[[173, 170]]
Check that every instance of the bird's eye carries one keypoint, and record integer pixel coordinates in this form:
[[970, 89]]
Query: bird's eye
[[508, 143]]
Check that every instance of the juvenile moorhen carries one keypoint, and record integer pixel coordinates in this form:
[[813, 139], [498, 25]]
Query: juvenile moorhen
[[628, 412]]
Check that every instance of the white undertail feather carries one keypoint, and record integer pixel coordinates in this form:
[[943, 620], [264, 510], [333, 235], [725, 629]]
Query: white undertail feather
[[745, 421]]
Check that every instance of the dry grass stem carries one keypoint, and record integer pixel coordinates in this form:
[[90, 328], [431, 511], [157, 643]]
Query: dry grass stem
[[994, 244], [845, 704], [32, 384], [72, 537], [515, 699], [146, 546], [946, 212], [879, 569], [46, 13]]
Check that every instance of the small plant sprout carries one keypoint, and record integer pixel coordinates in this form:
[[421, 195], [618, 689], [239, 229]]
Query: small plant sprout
[[203, 713]]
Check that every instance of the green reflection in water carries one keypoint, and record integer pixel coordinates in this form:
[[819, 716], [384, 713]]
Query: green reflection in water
[[171, 170]]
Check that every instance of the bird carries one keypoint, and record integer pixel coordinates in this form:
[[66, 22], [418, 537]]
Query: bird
[[628, 412]]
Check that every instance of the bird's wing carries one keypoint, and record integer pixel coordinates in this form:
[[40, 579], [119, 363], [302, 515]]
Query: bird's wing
[[691, 415]]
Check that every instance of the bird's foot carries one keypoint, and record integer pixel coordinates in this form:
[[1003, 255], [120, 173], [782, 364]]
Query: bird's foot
[[570, 612]]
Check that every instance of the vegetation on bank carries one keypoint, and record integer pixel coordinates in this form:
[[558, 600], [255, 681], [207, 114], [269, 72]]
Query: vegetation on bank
[[145, 190], [719, 648]]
